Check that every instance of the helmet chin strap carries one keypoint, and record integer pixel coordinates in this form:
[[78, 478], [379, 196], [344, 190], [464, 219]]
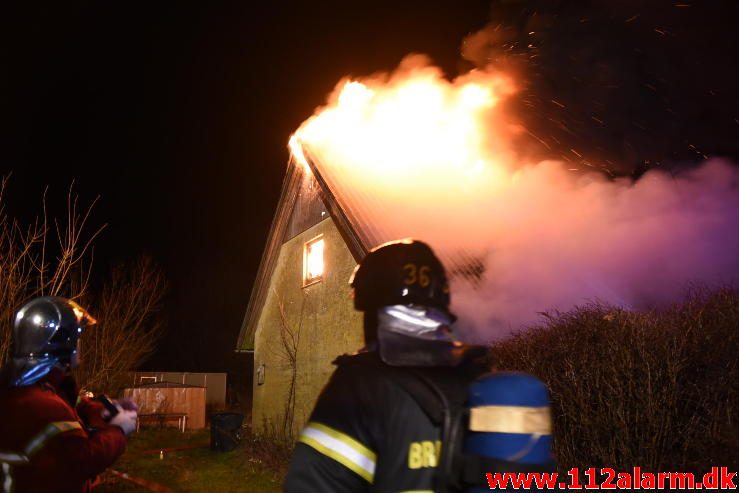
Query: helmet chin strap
[[28, 370], [74, 359]]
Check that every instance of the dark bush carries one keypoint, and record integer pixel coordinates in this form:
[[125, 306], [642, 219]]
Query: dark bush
[[271, 448], [658, 390]]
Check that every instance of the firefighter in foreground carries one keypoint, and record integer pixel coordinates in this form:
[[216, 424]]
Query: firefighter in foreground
[[378, 424], [51, 440]]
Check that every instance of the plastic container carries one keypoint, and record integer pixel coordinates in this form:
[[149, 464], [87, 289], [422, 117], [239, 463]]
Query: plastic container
[[225, 431], [509, 419]]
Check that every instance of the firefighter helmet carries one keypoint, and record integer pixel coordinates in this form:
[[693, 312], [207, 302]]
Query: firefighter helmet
[[402, 272], [45, 334]]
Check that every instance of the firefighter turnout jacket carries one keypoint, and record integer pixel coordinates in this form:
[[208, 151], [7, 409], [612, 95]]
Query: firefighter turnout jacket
[[369, 431], [44, 445]]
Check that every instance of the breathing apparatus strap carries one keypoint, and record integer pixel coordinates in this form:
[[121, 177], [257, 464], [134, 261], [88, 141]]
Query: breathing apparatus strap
[[442, 394]]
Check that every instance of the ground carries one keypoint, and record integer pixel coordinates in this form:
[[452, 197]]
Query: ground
[[253, 467]]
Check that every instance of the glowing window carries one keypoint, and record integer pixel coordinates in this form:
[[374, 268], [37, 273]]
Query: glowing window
[[313, 261]]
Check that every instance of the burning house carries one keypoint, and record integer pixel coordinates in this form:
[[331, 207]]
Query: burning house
[[414, 154], [300, 314]]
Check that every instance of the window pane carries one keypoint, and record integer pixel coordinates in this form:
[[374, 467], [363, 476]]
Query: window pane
[[313, 261]]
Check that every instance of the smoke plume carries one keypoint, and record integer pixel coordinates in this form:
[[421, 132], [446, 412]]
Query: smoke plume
[[566, 240], [450, 162]]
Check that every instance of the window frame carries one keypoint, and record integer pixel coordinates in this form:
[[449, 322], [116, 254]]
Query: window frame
[[306, 248]]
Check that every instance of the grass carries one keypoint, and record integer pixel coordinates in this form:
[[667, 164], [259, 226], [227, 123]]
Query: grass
[[254, 466]]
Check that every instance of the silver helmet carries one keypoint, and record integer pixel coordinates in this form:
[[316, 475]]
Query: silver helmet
[[45, 335]]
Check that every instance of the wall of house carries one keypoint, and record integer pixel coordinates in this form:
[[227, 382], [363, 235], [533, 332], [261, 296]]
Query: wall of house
[[320, 317]]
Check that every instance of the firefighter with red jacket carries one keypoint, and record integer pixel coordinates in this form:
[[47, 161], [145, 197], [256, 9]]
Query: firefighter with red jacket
[[51, 440], [380, 421]]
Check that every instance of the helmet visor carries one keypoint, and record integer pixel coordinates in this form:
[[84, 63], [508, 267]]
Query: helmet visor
[[416, 336], [417, 321]]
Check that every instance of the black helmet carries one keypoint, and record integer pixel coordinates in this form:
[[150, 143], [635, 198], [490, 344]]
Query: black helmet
[[45, 334], [402, 272]]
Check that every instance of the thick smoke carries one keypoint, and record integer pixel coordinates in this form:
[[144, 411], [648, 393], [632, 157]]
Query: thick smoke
[[545, 190], [566, 240], [622, 88]]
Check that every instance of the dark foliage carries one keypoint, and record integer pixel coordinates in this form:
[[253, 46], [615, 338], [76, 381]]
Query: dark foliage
[[658, 390]]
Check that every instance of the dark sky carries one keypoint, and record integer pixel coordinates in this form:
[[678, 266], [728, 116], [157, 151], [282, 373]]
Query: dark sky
[[177, 114]]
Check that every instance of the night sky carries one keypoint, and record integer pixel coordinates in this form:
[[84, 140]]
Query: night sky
[[177, 114]]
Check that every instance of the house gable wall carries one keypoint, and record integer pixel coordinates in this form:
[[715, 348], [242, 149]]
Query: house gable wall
[[320, 317]]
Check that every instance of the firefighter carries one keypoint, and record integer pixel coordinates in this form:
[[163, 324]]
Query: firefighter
[[380, 421], [51, 439]]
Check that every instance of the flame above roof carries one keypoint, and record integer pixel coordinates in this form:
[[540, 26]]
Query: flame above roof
[[362, 214]]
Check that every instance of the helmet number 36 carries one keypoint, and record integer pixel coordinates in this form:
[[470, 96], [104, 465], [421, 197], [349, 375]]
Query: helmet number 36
[[415, 274]]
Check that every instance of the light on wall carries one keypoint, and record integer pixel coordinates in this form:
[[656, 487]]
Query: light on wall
[[313, 260]]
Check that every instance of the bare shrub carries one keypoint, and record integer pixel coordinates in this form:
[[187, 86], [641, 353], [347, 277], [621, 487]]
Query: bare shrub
[[270, 447], [128, 312], [46, 257], [287, 354], [658, 390], [53, 257]]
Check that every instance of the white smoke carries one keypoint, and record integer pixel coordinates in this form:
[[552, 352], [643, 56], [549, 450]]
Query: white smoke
[[549, 238], [566, 240]]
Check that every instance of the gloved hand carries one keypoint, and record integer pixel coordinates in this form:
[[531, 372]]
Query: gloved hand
[[92, 413], [125, 419], [128, 404]]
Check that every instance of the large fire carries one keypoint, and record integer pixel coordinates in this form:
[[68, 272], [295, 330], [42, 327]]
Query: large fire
[[415, 154], [413, 125]]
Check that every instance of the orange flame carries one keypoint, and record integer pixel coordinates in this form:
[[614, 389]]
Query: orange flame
[[296, 150], [414, 125]]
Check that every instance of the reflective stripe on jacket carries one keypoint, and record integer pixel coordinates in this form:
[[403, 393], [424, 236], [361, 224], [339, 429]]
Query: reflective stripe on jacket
[[44, 447], [367, 433]]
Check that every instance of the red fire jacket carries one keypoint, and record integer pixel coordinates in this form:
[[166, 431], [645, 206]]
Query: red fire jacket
[[44, 445]]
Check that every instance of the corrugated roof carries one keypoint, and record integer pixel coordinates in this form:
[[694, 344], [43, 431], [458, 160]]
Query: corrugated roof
[[375, 219], [356, 216]]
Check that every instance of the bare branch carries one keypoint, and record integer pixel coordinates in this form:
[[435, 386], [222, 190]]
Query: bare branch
[[32, 264], [129, 324]]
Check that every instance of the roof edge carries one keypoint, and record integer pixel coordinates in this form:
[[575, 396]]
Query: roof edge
[[290, 188], [288, 195], [357, 247]]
